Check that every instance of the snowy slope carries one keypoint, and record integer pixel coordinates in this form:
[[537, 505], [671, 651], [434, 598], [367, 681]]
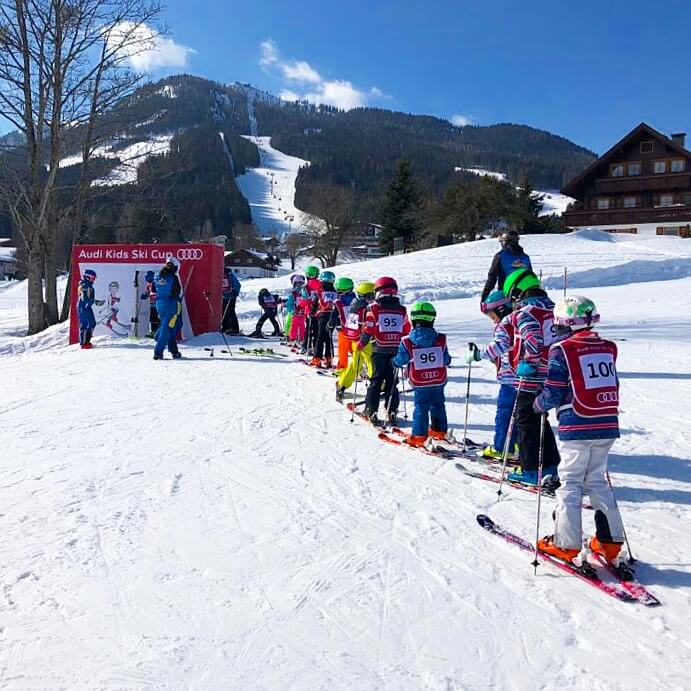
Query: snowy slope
[[218, 523]]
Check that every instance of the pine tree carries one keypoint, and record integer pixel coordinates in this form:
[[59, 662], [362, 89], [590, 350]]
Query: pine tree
[[401, 208]]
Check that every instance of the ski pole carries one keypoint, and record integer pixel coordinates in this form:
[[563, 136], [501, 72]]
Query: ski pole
[[211, 311], [541, 457], [467, 405], [357, 372], [626, 539], [509, 434], [565, 281], [405, 406]]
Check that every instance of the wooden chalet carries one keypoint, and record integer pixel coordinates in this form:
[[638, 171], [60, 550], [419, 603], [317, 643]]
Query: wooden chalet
[[249, 264], [642, 185]]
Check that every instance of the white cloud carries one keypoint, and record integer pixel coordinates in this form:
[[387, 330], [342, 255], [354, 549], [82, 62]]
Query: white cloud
[[462, 120], [333, 92], [146, 50]]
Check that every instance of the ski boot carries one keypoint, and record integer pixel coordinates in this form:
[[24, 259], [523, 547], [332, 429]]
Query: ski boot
[[525, 477], [326, 364], [277, 333], [87, 346], [417, 441], [437, 434], [340, 393], [158, 357], [609, 550], [371, 415], [392, 417], [256, 334], [547, 546], [550, 478], [315, 362], [177, 355]]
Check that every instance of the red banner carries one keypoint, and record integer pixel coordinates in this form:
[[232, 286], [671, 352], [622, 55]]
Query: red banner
[[123, 305]]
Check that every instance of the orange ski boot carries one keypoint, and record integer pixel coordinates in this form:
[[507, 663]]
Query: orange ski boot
[[417, 441], [315, 362], [547, 546], [436, 434], [609, 550]]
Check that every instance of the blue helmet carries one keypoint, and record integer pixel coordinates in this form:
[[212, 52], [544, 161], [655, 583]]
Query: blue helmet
[[149, 276], [327, 277]]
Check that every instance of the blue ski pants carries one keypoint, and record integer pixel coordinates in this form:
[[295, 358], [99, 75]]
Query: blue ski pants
[[430, 410], [505, 401], [168, 313]]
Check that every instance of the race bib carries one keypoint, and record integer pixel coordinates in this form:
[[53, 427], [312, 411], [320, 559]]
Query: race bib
[[391, 323], [353, 321], [598, 370], [428, 358], [329, 296], [549, 332]]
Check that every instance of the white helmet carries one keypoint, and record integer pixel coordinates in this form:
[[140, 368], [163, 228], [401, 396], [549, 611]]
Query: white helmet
[[576, 312], [297, 279]]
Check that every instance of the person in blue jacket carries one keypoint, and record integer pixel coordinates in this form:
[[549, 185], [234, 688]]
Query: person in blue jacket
[[511, 257], [169, 308], [85, 308], [425, 355], [231, 290]]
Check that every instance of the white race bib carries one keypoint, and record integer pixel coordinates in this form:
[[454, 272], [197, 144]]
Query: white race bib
[[391, 323], [549, 332], [598, 370], [353, 321], [428, 358]]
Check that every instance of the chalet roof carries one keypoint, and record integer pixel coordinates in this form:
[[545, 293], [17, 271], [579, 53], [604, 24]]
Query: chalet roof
[[571, 188]]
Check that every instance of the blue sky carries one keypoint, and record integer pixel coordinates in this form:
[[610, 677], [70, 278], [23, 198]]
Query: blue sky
[[589, 71]]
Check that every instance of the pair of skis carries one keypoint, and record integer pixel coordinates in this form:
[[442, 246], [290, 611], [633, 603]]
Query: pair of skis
[[620, 584]]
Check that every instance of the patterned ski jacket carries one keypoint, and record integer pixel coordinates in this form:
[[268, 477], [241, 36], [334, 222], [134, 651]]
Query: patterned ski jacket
[[558, 393], [422, 337], [497, 350]]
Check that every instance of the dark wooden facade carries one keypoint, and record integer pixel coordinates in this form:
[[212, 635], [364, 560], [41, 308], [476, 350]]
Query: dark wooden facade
[[642, 183]]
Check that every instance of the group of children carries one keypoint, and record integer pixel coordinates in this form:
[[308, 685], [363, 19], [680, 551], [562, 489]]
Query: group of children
[[550, 357]]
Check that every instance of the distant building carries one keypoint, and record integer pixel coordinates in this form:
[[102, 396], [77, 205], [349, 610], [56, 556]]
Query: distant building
[[249, 264], [642, 185], [364, 240], [8, 261]]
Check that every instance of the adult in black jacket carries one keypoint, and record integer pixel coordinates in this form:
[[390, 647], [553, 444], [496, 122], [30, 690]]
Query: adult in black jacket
[[508, 259]]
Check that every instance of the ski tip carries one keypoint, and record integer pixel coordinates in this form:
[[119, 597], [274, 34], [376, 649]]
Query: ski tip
[[485, 521]]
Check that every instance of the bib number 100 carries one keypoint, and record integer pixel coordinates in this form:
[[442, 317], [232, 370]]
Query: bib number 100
[[598, 370]]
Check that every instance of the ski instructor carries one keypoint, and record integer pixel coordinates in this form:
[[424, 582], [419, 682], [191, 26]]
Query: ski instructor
[[169, 308], [511, 257]]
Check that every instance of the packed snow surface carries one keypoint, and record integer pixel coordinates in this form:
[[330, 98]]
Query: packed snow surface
[[218, 523]]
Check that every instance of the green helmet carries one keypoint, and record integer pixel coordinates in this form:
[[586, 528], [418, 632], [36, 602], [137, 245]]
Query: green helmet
[[343, 284], [327, 276], [518, 281], [423, 312], [311, 271]]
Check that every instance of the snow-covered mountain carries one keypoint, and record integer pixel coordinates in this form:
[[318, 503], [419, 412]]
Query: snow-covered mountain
[[219, 523]]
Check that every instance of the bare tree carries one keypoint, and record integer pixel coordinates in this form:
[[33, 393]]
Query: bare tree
[[246, 237], [62, 64], [332, 219], [295, 245]]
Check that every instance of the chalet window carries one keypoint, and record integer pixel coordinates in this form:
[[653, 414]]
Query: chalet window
[[666, 200], [676, 165], [659, 167], [617, 170], [647, 147], [635, 168], [603, 203], [676, 230], [630, 202]]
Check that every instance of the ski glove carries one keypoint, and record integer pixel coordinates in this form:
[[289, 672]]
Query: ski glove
[[472, 354], [525, 369]]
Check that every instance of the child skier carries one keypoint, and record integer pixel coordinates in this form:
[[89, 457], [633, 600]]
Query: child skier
[[85, 309], [425, 354], [312, 288], [352, 330], [326, 297], [269, 304], [295, 323], [150, 295], [582, 384], [498, 308], [386, 322], [344, 288], [533, 332], [231, 290], [169, 308]]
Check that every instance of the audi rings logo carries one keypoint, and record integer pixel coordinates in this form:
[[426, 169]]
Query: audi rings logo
[[608, 397], [193, 253]]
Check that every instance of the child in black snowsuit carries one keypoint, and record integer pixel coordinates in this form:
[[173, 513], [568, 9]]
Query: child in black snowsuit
[[269, 304]]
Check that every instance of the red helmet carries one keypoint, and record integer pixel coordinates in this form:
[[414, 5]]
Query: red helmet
[[385, 286]]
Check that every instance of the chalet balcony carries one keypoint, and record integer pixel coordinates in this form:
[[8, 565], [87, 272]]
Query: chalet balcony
[[627, 217], [643, 183]]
